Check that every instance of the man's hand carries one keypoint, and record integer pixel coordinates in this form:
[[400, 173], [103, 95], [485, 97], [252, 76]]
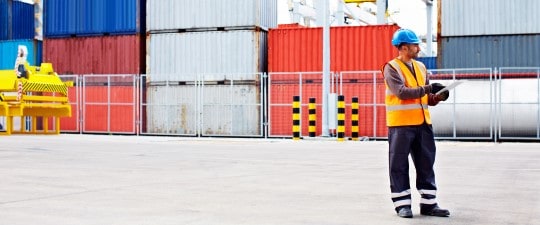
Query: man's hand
[[443, 95], [436, 87]]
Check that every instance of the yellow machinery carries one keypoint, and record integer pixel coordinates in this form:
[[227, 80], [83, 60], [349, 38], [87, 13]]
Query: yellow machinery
[[36, 93]]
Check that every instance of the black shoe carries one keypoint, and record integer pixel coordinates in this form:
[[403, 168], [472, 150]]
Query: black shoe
[[405, 212], [435, 211]]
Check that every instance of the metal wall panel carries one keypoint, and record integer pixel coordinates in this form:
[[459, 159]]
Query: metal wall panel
[[94, 55], [22, 20], [489, 17], [490, 51], [4, 20], [9, 49], [65, 18], [294, 49], [429, 62], [187, 14], [173, 56], [222, 110]]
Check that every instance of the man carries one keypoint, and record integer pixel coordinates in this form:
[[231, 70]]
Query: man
[[408, 94]]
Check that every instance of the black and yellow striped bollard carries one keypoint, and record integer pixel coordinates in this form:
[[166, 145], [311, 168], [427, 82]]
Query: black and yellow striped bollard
[[312, 117], [341, 118], [354, 119], [296, 117]]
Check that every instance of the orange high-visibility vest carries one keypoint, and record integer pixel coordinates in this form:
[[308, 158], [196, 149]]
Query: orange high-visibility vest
[[401, 112]]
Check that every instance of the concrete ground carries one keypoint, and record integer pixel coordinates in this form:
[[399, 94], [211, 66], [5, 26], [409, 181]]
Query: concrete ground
[[114, 180]]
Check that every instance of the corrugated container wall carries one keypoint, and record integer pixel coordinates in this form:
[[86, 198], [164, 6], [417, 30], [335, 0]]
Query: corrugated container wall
[[490, 51], [4, 20], [187, 14], [429, 62], [175, 55], [23, 20], [16, 20], [352, 48], [94, 55], [10, 48], [64, 18], [489, 17]]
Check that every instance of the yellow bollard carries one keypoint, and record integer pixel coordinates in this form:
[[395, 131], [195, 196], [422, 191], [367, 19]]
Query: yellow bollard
[[296, 118], [341, 118], [354, 119], [312, 117]]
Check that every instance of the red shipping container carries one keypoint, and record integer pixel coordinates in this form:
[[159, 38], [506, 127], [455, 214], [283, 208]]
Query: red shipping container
[[119, 54], [121, 104], [353, 48]]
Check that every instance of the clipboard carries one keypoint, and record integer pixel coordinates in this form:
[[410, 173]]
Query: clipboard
[[450, 86]]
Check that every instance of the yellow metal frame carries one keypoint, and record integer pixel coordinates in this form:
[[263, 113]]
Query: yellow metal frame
[[41, 95]]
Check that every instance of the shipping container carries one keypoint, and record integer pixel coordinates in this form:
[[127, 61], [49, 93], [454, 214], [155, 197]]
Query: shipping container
[[10, 48], [429, 62], [5, 21], [23, 20], [196, 14], [353, 48], [490, 51], [489, 17], [65, 18], [16, 20], [119, 54], [177, 56], [109, 109], [226, 110]]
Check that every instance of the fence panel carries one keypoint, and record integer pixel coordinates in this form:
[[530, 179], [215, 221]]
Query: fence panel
[[109, 104], [170, 107], [231, 104], [518, 103], [469, 113], [282, 86], [72, 124]]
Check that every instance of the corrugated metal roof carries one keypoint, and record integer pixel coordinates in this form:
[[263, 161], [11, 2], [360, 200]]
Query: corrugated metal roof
[[489, 17], [490, 51], [217, 52], [92, 17], [119, 54], [10, 48], [186, 14], [353, 48]]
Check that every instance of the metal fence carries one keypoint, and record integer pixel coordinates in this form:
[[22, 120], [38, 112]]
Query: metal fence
[[490, 104]]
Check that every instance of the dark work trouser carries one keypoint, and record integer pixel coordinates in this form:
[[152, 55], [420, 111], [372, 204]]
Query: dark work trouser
[[418, 141]]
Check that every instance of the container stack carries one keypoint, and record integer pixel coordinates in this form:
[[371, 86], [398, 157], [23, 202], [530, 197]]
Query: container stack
[[17, 28], [489, 33], [215, 46], [93, 38]]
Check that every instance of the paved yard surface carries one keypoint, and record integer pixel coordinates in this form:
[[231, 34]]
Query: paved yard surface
[[116, 180]]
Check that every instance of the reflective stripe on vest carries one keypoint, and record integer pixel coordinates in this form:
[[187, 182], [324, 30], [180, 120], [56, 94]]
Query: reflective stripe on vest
[[401, 112]]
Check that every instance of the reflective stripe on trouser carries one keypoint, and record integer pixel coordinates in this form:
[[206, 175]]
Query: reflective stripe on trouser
[[419, 143]]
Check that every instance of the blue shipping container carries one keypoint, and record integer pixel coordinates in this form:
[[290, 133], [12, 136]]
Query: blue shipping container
[[64, 18], [4, 20], [10, 48], [430, 62], [22, 25], [490, 51]]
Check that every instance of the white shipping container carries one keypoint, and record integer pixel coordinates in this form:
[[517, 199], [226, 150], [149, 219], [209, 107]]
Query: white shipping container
[[188, 14], [217, 110], [489, 17], [175, 56]]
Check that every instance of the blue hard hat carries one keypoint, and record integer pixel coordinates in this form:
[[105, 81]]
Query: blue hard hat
[[404, 36]]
